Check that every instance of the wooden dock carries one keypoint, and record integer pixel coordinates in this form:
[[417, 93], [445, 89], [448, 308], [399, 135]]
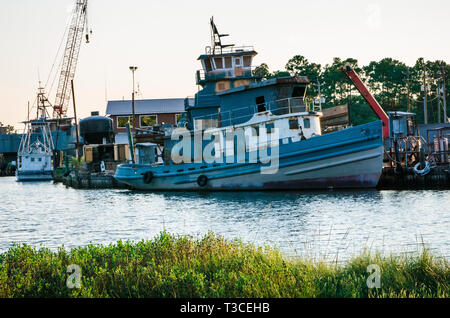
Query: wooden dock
[[92, 181], [405, 179]]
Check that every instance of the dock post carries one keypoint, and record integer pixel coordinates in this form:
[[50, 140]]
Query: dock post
[[77, 146], [130, 143]]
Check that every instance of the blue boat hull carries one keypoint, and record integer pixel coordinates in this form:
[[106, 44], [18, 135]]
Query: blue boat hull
[[350, 158], [37, 175]]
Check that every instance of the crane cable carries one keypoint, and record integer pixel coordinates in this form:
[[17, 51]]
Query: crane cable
[[56, 57], [33, 105]]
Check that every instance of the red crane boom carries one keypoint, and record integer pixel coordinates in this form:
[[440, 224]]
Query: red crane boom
[[69, 63], [359, 84]]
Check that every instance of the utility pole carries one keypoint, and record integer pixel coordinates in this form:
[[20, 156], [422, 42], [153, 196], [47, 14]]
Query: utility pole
[[76, 122], [408, 79], [425, 90], [444, 92], [133, 69], [439, 102]]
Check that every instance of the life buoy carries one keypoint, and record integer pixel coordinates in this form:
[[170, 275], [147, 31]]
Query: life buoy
[[424, 171], [202, 180], [148, 177]]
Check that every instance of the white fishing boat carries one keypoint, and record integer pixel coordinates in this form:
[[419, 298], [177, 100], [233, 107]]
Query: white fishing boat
[[35, 155]]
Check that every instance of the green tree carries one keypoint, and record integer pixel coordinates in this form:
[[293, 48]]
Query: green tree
[[9, 129], [300, 66], [262, 71], [279, 74], [432, 73], [336, 85], [394, 84], [386, 79]]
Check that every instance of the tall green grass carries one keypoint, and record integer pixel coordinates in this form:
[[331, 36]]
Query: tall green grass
[[181, 266]]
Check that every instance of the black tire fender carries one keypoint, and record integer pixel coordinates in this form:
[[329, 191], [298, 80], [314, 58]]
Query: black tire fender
[[202, 180], [148, 177]]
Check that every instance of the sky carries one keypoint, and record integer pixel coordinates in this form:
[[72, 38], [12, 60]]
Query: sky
[[165, 38]]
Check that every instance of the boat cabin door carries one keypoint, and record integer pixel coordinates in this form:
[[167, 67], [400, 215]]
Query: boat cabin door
[[237, 62]]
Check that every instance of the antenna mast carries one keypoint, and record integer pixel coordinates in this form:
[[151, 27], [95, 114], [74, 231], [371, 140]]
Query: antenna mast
[[216, 39]]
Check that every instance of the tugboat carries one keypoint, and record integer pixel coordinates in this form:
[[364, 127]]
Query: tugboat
[[34, 158], [245, 133]]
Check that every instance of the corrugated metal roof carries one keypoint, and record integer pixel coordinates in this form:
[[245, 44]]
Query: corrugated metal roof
[[146, 106]]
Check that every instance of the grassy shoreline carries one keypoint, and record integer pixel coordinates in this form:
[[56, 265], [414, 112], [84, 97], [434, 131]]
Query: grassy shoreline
[[184, 267]]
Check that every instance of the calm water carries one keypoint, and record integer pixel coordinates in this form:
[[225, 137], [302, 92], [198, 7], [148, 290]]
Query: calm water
[[326, 225]]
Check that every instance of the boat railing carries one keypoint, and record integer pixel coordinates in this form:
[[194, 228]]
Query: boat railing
[[229, 49], [243, 72], [291, 105], [279, 107]]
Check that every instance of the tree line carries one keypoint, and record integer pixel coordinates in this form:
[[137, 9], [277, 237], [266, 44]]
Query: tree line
[[396, 86], [8, 129]]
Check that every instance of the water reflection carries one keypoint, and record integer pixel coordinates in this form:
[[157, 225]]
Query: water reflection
[[323, 224]]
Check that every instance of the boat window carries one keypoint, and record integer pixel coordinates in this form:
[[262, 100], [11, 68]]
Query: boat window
[[242, 82], [247, 61], [228, 62], [202, 124], [255, 131], [123, 120], [219, 62], [40, 159], [293, 123], [148, 120], [299, 91], [261, 104], [178, 118], [284, 92], [222, 86], [208, 65], [237, 61], [306, 122], [32, 159], [270, 127]]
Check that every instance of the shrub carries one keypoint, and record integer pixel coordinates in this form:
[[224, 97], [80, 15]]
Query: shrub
[[184, 267]]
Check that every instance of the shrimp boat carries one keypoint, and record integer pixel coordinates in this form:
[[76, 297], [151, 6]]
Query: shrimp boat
[[35, 155], [245, 133]]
